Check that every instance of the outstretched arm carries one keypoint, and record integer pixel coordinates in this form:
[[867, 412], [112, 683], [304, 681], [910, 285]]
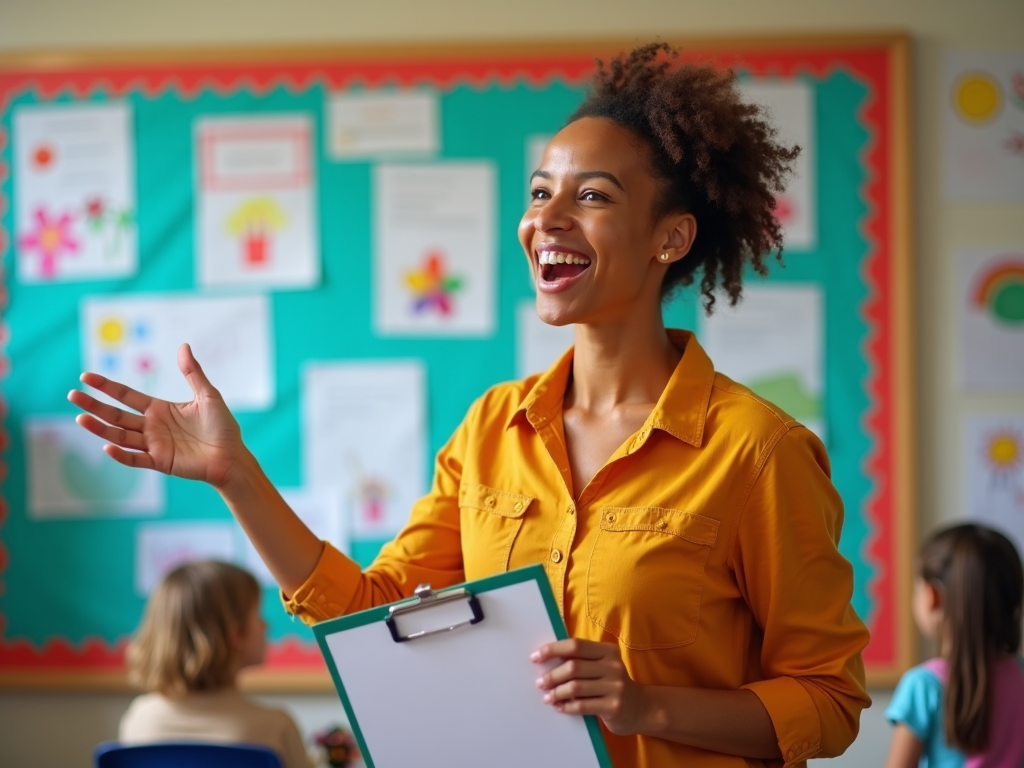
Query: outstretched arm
[[200, 440]]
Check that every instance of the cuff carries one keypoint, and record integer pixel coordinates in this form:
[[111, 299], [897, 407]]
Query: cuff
[[328, 590], [794, 716]]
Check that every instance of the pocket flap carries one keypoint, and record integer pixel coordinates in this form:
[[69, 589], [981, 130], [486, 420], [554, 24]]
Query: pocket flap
[[504, 503], [686, 525]]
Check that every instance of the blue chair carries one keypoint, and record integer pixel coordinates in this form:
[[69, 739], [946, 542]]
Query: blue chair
[[111, 754]]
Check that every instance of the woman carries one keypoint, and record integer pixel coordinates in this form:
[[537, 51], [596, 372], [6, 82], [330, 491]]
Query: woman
[[688, 528]]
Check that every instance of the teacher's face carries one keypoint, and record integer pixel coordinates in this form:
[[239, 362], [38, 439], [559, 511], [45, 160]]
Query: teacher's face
[[589, 233]]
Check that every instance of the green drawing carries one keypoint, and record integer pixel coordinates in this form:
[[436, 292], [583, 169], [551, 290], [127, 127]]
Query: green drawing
[[789, 393], [96, 483]]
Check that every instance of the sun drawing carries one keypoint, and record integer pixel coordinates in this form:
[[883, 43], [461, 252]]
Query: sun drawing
[[1004, 453], [977, 97], [111, 331]]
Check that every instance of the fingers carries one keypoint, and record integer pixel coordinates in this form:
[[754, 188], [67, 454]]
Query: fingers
[[122, 437], [130, 458], [583, 689], [123, 394], [574, 669], [193, 372], [573, 648], [108, 413]]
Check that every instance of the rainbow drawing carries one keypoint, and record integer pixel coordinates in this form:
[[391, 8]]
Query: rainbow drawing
[[999, 290]]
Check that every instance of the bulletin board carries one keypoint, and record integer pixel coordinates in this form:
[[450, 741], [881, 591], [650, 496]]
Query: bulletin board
[[67, 602]]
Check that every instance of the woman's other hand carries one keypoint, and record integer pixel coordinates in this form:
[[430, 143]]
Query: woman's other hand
[[592, 680], [198, 440]]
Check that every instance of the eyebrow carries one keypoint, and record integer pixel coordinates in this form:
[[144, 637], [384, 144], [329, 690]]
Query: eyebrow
[[583, 176]]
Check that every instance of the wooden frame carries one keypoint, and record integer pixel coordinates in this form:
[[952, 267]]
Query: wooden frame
[[900, 358]]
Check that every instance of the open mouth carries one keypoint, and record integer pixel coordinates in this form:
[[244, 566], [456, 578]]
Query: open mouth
[[558, 266]]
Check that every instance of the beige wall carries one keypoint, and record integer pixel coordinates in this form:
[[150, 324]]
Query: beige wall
[[53, 729]]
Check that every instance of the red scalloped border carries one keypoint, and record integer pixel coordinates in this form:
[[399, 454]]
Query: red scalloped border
[[870, 65]]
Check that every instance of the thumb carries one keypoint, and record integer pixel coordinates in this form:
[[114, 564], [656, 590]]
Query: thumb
[[193, 372]]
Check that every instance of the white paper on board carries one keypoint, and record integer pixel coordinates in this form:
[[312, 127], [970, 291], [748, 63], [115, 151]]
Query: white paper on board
[[161, 547], [994, 463], [773, 343], [74, 192], [320, 509], [538, 345], [991, 311], [134, 339], [364, 433], [69, 475], [434, 252], [983, 120], [257, 212], [790, 105], [366, 124]]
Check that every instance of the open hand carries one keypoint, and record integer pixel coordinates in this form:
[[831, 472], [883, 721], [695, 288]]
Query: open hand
[[198, 440], [592, 680]]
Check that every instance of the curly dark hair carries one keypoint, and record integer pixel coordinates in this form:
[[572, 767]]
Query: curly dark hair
[[715, 156]]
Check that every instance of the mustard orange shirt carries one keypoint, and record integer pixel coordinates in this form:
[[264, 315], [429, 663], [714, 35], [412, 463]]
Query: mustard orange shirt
[[705, 548]]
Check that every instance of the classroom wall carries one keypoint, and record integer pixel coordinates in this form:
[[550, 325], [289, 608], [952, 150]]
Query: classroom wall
[[50, 729]]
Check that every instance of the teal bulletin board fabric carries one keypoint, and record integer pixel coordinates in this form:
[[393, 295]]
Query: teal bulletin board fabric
[[68, 600]]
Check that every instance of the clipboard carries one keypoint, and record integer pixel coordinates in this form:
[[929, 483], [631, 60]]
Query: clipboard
[[445, 678]]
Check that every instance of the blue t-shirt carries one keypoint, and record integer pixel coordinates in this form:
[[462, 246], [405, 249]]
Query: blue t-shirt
[[917, 703]]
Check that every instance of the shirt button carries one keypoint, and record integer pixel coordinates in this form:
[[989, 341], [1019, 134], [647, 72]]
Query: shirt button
[[611, 518], [556, 556], [661, 525], [570, 510], [518, 506], [490, 501]]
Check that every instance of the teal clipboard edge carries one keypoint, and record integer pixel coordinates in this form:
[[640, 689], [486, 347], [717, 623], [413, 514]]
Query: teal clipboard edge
[[519, 575]]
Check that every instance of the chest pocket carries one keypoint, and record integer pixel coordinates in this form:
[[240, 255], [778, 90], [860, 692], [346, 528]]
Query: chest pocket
[[646, 574], [490, 519]]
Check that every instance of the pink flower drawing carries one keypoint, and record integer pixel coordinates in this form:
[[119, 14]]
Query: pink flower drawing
[[51, 239]]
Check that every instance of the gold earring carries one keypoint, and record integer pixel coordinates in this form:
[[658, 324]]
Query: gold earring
[[664, 257]]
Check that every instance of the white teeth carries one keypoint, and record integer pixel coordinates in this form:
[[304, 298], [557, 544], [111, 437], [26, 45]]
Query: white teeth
[[554, 257]]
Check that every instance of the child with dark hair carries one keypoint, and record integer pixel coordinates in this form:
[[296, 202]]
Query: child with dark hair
[[966, 706]]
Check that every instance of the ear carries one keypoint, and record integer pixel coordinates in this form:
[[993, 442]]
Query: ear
[[679, 231], [235, 636], [933, 597]]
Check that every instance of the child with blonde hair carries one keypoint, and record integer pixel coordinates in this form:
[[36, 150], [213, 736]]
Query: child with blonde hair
[[201, 627], [964, 707]]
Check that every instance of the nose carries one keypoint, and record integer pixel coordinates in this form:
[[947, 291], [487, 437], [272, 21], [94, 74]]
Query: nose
[[555, 214]]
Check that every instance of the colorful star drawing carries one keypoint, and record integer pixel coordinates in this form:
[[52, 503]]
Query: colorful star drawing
[[51, 238], [432, 287]]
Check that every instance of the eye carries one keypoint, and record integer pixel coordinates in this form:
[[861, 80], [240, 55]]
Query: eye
[[539, 193], [593, 196]]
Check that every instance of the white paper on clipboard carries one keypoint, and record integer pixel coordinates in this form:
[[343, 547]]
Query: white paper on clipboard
[[466, 697]]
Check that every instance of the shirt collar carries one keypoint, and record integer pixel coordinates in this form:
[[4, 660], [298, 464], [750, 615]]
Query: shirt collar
[[681, 410]]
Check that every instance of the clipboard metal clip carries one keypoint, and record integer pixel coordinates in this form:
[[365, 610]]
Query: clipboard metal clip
[[425, 597]]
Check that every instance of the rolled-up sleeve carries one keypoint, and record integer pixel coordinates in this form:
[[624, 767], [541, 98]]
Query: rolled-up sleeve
[[799, 587], [428, 550]]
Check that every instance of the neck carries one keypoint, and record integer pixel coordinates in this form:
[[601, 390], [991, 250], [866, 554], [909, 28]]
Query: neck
[[622, 361]]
